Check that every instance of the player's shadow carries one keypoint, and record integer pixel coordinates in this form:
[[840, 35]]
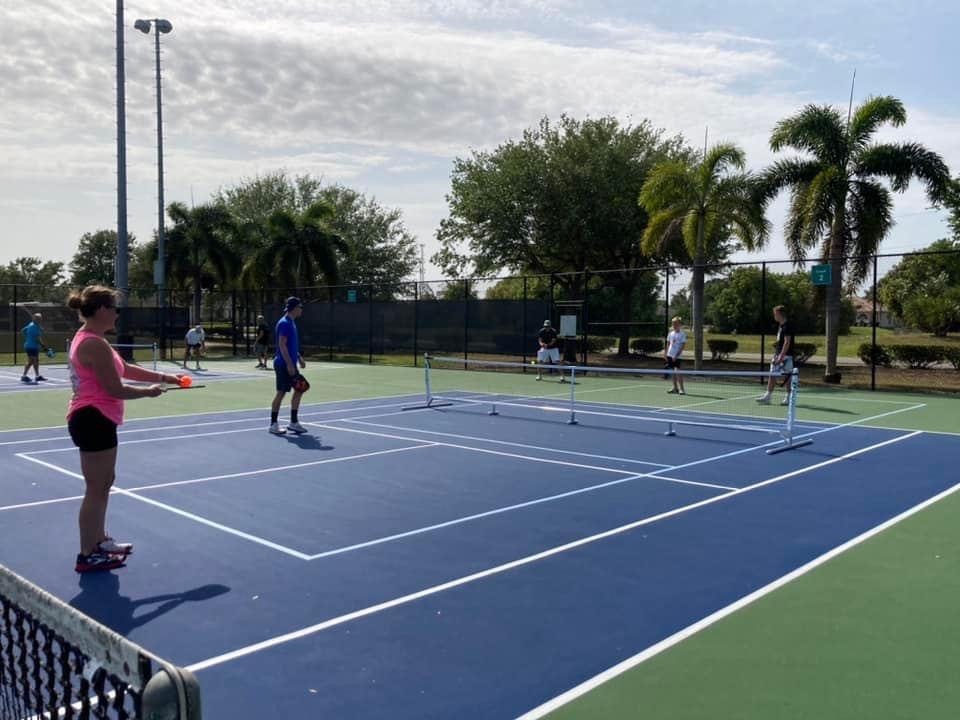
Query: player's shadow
[[100, 599], [307, 441]]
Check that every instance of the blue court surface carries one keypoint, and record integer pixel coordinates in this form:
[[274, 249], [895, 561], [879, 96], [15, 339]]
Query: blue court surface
[[438, 563]]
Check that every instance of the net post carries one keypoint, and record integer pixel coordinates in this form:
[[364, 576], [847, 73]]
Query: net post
[[426, 377], [788, 441], [573, 396], [670, 431], [156, 356]]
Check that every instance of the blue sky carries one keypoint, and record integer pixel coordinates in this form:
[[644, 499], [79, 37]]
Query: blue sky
[[382, 96]]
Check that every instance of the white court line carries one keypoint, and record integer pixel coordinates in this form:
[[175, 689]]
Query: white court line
[[504, 442], [477, 516], [778, 442], [260, 409], [178, 511], [486, 451], [678, 637], [174, 483], [499, 569], [282, 468], [163, 428]]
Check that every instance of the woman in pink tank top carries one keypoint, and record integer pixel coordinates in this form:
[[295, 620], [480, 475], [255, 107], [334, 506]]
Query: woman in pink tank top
[[95, 411]]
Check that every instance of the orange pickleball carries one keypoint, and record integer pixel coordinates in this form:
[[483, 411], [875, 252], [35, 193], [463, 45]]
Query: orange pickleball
[[186, 381]]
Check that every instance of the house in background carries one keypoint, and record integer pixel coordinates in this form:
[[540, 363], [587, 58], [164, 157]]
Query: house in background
[[864, 308]]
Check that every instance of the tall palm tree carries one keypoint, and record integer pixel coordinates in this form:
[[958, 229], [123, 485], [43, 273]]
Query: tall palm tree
[[707, 203], [197, 245], [837, 200], [300, 250]]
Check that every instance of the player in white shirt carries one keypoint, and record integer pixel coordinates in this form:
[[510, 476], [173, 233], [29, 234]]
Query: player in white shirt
[[676, 340], [195, 342]]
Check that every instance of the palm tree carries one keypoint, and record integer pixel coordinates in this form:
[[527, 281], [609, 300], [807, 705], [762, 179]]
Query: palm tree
[[837, 201], [706, 203], [300, 250], [197, 245]]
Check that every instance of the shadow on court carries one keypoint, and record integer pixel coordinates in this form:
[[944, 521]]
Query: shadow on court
[[100, 598]]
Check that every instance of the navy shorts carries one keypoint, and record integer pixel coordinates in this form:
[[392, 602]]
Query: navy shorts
[[284, 379], [32, 353], [672, 363], [91, 430]]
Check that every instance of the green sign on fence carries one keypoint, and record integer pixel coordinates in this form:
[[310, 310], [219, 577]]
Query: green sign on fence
[[351, 295], [821, 275]]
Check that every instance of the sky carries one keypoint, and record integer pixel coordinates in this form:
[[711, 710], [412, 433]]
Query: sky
[[382, 95]]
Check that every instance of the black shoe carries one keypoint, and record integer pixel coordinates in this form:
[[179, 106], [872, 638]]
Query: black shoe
[[40, 378]]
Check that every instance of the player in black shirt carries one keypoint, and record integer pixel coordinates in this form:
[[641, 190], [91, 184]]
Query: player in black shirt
[[782, 355], [548, 352], [262, 344]]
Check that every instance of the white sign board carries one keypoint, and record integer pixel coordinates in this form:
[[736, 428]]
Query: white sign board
[[568, 326]]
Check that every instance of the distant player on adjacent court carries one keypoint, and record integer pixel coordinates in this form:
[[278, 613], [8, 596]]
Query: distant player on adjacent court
[[548, 353], [676, 340], [285, 364], [32, 343], [262, 343], [96, 409], [196, 341], [782, 355]]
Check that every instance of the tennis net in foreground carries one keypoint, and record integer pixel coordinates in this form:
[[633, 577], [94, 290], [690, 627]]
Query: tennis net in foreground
[[57, 663], [620, 397]]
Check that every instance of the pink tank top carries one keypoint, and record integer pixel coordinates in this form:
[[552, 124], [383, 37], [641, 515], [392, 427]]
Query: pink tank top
[[87, 391]]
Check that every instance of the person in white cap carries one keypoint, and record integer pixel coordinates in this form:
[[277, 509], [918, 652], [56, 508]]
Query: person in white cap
[[548, 353]]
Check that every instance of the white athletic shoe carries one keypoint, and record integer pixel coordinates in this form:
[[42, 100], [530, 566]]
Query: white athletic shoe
[[275, 429], [111, 547], [785, 401], [296, 427], [764, 399]]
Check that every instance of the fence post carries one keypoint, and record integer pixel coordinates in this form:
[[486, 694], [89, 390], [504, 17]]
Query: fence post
[[873, 340], [370, 324], [466, 320], [666, 300], [416, 322], [333, 326], [13, 324], [524, 340], [233, 319], [763, 314]]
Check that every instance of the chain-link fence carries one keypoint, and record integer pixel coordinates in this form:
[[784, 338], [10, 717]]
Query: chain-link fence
[[891, 333]]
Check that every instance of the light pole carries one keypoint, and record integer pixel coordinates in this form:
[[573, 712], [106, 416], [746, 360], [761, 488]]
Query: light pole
[[160, 270]]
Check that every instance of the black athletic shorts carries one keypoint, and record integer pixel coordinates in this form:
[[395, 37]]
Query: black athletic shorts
[[32, 353], [91, 431], [284, 378], [672, 363]]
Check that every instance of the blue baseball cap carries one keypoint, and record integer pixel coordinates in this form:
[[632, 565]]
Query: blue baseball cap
[[292, 303]]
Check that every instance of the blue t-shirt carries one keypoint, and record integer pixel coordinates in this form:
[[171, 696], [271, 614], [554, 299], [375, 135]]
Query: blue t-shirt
[[31, 336], [286, 327]]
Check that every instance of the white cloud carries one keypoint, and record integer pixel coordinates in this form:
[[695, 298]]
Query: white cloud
[[379, 95]]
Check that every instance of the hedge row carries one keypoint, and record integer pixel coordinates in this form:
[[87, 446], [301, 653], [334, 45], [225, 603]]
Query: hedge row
[[722, 349], [916, 357]]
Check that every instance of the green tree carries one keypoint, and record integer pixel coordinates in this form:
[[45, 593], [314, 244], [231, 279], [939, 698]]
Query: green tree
[[707, 203], [953, 204], [375, 246], [561, 199], [837, 200], [32, 271], [198, 249], [96, 256], [921, 289], [301, 250]]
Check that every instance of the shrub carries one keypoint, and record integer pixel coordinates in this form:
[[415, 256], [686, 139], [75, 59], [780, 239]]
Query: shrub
[[880, 355], [803, 352], [646, 346], [721, 349], [917, 356], [599, 343], [952, 356]]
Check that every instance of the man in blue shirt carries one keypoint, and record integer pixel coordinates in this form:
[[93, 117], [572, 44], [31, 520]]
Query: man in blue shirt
[[285, 367], [32, 342]]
